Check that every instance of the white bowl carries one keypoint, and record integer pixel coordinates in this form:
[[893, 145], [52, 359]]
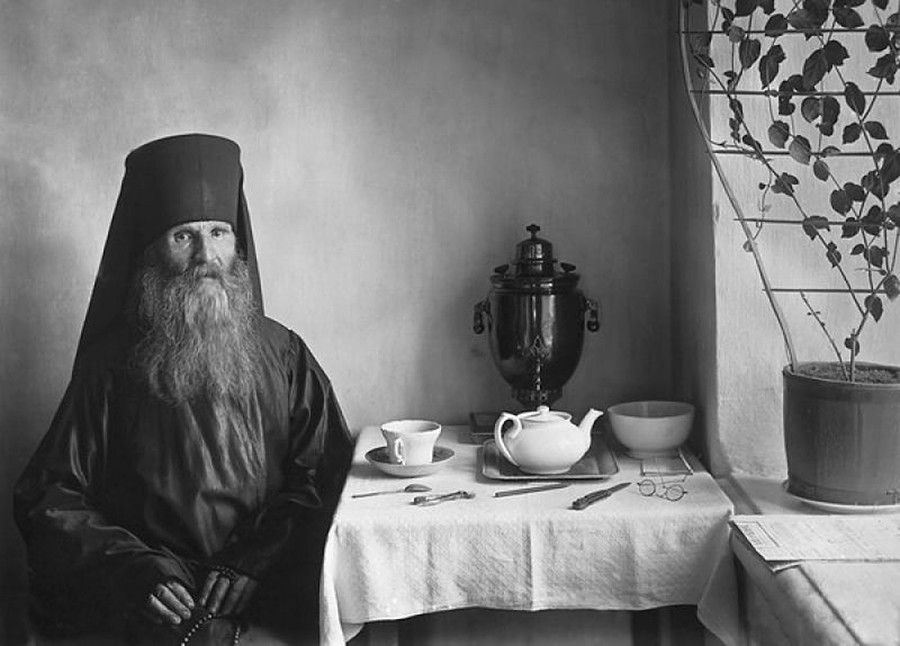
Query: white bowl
[[651, 428], [378, 458]]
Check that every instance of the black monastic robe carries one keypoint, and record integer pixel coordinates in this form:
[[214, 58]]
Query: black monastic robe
[[126, 490]]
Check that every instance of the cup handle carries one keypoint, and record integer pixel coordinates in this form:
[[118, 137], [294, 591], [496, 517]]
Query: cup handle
[[398, 450]]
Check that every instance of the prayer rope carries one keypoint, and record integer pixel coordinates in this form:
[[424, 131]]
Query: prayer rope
[[205, 618]]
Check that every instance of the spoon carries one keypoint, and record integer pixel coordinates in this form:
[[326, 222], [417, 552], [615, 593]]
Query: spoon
[[412, 488]]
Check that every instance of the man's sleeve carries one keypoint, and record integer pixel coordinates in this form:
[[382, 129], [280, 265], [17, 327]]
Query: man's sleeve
[[297, 518], [80, 564]]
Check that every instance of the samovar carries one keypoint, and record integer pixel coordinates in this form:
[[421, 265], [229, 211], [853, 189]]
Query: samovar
[[535, 317]]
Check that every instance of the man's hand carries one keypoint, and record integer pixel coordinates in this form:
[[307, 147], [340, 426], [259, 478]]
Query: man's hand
[[226, 591], [169, 603]]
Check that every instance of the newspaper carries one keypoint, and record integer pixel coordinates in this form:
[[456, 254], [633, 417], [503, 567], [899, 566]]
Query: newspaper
[[779, 538]]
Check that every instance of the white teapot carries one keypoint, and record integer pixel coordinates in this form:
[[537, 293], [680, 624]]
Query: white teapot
[[544, 442]]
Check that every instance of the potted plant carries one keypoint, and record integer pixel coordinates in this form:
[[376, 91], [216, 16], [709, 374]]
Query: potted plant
[[804, 82]]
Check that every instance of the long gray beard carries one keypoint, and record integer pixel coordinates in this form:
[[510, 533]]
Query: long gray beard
[[200, 336]]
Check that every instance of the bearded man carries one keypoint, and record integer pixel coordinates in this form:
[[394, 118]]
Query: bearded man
[[189, 477]]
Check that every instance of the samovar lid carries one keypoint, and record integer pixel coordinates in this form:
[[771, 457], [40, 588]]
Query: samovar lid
[[534, 255], [535, 266]]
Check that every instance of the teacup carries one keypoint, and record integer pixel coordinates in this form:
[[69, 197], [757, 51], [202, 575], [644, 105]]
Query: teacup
[[410, 441]]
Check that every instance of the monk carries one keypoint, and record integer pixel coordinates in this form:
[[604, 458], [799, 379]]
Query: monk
[[188, 479]]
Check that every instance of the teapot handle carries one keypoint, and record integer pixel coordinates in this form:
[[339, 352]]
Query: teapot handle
[[498, 434]]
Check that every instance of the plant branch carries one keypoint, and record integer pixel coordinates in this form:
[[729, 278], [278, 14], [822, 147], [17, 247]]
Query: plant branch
[[751, 240], [817, 316]]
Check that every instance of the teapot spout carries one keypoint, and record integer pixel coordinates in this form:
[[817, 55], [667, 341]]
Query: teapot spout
[[588, 423]]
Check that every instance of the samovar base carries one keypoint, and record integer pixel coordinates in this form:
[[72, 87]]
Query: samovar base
[[481, 423], [531, 399]]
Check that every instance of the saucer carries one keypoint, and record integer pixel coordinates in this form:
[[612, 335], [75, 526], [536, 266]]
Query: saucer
[[839, 508], [378, 457]]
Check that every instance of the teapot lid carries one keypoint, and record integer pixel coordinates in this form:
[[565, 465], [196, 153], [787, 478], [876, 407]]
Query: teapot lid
[[544, 414]]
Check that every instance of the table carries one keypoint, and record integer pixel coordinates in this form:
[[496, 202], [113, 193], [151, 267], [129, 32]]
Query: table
[[815, 602], [386, 559]]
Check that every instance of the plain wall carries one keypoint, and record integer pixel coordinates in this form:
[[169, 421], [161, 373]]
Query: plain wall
[[693, 276], [394, 153]]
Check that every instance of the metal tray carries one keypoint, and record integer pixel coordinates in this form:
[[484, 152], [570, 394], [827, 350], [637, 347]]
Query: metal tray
[[598, 463]]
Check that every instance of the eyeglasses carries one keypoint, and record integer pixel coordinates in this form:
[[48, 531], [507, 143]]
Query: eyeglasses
[[662, 477], [672, 492]]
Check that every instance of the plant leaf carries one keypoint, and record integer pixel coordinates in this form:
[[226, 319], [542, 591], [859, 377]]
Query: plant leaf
[[779, 132], [833, 254], [892, 286], [800, 149], [811, 108], [786, 90], [754, 144], [883, 151], [735, 34], [744, 7], [785, 106], [884, 68], [875, 184], [847, 17], [874, 305], [876, 256], [852, 344], [748, 51], [873, 220], [893, 214], [784, 183], [704, 60], [735, 126], [819, 8], [852, 131], [776, 25], [850, 228], [855, 98], [854, 191], [811, 17], [840, 202], [814, 69], [876, 130], [890, 167], [813, 223], [835, 53], [770, 63], [821, 170], [831, 110], [877, 38]]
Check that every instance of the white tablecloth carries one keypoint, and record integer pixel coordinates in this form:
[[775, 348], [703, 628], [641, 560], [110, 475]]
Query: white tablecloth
[[387, 559]]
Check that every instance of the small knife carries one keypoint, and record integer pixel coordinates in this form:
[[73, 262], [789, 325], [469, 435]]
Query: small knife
[[594, 496], [516, 492]]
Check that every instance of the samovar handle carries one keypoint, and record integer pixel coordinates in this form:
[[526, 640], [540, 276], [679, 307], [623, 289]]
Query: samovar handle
[[482, 308], [592, 308]]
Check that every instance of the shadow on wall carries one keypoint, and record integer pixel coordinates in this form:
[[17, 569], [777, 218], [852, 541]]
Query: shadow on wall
[[37, 267]]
